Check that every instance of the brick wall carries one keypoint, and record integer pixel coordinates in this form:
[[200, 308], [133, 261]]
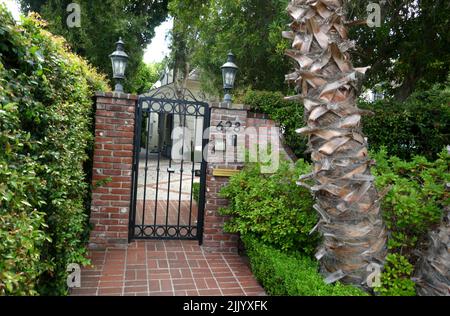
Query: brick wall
[[113, 158], [214, 238]]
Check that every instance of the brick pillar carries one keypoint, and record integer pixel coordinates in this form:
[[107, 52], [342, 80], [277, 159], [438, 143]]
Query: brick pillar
[[214, 237], [113, 158]]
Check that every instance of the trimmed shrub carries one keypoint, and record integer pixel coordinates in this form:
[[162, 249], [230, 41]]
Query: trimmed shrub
[[272, 207], [292, 274], [396, 279], [416, 199], [46, 111]]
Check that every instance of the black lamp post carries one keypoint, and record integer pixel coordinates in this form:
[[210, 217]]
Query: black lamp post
[[229, 71], [119, 60]]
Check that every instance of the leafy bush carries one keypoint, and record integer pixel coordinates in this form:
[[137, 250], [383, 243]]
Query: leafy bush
[[273, 208], [416, 197], [396, 277], [46, 111], [413, 205], [418, 126], [290, 274], [289, 114]]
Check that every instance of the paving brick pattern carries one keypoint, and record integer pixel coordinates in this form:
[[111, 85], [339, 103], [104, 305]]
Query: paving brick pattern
[[166, 268]]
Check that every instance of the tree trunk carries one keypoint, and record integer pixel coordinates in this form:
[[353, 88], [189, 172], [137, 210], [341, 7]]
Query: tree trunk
[[433, 276], [354, 245]]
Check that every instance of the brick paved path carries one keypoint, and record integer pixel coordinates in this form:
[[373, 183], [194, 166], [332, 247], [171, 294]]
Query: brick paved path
[[166, 268]]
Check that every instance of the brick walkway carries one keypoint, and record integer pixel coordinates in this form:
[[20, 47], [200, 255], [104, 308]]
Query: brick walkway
[[166, 268]]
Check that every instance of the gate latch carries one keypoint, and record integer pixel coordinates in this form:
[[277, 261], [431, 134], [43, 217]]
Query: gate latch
[[170, 170]]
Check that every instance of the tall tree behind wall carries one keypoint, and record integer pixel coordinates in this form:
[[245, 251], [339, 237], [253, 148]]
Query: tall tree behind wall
[[102, 23]]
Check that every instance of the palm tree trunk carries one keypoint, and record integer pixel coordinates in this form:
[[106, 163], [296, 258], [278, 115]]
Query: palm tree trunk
[[433, 276], [347, 200]]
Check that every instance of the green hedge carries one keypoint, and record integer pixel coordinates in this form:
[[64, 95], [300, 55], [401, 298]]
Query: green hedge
[[46, 110], [290, 274], [272, 207], [418, 126]]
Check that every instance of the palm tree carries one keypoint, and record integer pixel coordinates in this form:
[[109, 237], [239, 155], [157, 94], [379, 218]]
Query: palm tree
[[433, 276], [354, 236]]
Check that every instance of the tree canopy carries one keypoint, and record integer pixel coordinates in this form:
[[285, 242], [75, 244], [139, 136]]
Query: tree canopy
[[102, 23], [411, 49], [251, 29]]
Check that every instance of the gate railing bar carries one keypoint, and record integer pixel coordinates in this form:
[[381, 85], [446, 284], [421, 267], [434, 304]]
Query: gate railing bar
[[158, 169], [181, 170], [168, 185], [146, 170], [135, 172], [201, 206], [193, 169]]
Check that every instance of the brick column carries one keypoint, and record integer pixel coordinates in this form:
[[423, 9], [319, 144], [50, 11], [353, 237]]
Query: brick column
[[113, 159], [214, 237]]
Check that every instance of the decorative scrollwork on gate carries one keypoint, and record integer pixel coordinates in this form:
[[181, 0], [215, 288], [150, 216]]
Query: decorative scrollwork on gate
[[169, 92]]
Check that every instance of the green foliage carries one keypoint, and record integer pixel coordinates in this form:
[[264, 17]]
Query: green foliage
[[396, 277], [273, 208], [288, 113], [290, 274], [45, 137], [251, 29], [416, 198], [398, 51], [196, 191], [102, 23], [418, 126], [146, 76]]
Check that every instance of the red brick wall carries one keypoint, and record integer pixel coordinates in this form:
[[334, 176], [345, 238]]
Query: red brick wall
[[113, 158], [214, 238]]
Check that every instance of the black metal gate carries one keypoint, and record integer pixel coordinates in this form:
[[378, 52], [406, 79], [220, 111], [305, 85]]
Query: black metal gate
[[169, 168]]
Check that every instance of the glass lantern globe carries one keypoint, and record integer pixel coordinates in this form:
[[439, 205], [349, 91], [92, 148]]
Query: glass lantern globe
[[119, 60], [229, 71]]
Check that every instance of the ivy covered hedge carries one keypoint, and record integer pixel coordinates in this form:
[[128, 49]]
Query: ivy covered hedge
[[46, 110]]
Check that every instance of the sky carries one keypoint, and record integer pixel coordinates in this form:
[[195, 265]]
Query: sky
[[13, 7], [155, 51], [159, 48]]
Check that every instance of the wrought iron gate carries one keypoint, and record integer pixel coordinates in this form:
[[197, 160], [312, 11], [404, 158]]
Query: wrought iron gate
[[169, 168]]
